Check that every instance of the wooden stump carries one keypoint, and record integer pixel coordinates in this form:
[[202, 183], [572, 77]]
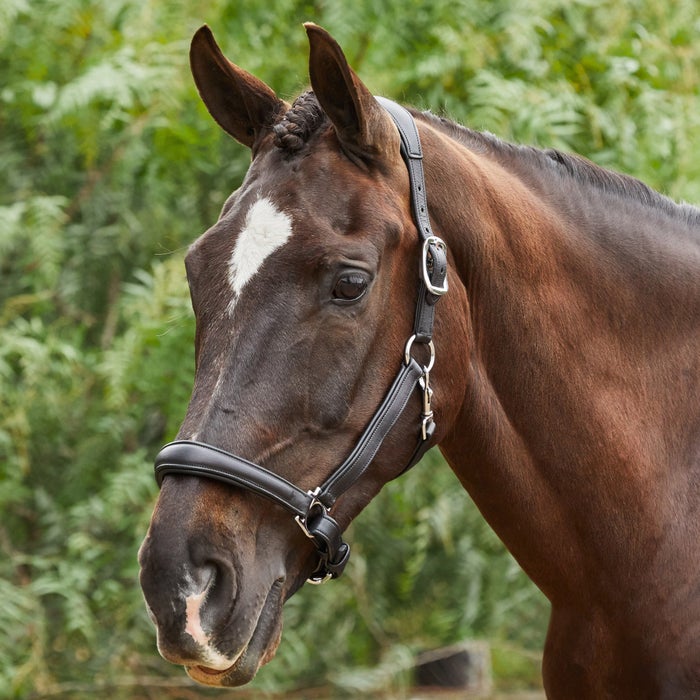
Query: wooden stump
[[465, 666]]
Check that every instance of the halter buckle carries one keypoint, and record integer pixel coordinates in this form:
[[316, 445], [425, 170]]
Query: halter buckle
[[427, 260], [318, 580], [315, 503], [328, 568]]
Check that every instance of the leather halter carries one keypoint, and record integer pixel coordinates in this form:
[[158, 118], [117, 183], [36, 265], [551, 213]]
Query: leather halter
[[311, 509]]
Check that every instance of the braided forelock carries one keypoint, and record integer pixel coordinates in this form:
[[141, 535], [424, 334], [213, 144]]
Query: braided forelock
[[299, 123]]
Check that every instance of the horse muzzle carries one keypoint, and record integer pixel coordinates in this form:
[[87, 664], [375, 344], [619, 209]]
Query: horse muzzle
[[217, 613], [258, 650]]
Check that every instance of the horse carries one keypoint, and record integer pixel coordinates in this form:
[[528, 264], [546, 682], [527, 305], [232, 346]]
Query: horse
[[538, 318]]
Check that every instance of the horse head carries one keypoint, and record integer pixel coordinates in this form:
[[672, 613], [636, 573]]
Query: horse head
[[304, 296]]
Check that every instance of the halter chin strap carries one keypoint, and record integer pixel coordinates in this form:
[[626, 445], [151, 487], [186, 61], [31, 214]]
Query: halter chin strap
[[311, 508]]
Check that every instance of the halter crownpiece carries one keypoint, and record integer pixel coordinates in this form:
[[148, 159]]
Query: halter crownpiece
[[311, 509]]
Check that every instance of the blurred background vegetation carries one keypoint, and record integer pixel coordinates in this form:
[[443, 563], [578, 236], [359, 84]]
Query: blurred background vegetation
[[110, 166]]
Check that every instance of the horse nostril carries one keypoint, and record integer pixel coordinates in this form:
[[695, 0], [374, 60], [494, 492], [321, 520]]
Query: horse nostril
[[202, 577], [208, 596], [219, 590]]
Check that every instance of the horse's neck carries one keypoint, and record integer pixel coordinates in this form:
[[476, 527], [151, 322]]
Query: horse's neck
[[517, 226], [566, 398], [574, 282]]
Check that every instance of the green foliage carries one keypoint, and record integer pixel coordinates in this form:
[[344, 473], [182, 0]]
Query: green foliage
[[111, 166]]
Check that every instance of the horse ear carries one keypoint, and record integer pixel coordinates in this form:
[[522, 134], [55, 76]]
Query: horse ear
[[240, 103], [361, 123]]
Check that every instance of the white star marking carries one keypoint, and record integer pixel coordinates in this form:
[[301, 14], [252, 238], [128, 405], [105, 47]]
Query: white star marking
[[265, 229]]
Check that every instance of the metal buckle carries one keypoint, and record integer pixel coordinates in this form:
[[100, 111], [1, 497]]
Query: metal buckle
[[319, 580], [438, 243], [315, 503], [301, 522]]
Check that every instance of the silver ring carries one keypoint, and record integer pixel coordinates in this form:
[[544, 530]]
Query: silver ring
[[407, 353]]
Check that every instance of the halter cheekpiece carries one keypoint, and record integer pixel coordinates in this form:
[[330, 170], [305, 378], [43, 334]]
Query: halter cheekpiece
[[311, 509]]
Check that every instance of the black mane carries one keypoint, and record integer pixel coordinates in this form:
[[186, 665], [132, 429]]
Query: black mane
[[565, 165], [306, 117], [297, 126]]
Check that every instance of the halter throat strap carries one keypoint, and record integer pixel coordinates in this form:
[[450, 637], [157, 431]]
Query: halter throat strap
[[311, 508]]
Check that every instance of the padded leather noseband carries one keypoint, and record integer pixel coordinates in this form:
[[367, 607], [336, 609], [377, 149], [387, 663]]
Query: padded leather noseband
[[311, 509]]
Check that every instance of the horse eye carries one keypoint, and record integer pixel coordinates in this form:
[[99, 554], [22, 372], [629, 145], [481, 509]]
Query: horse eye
[[350, 287]]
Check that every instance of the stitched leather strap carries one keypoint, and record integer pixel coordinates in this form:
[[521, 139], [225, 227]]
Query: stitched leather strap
[[434, 254], [200, 459], [367, 446]]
